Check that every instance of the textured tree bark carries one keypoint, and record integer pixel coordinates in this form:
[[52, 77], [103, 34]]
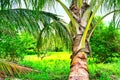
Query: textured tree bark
[[78, 66], [79, 70]]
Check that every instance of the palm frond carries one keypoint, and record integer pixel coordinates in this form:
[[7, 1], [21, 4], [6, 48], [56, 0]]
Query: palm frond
[[11, 69], [56, 33], [25, 20], [36, 23], [38, 4], [116, 20], [82, 43], [99, 20], [28, 4], [110, 5]]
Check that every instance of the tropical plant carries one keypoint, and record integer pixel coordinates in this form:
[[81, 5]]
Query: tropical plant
[[29, 43], [81, 14], [105, 43], [11, 69], [36, 21], [12, 48]]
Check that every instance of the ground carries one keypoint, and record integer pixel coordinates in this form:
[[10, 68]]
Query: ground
[[55, 66]]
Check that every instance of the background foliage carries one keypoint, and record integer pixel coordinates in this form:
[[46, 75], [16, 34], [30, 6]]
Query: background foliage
[[105, 43], [13, 47]]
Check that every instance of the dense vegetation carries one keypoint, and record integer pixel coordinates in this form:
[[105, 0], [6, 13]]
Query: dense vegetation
[[105, 43], [36, 44], [14, 47], [53, 65]]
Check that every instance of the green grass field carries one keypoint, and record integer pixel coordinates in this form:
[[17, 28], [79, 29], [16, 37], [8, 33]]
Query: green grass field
[[55, 66]]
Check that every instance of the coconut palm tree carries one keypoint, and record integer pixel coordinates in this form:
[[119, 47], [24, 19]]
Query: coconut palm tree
[[81, 14], [79, 31]]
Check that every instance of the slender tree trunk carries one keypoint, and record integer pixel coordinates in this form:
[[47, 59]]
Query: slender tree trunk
[[78, 66]]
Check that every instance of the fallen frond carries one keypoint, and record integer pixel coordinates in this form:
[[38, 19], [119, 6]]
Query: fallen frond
[[12, 69]]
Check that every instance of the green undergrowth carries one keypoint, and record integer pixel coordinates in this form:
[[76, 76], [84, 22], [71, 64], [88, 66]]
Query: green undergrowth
[[109, 71], [55, 66]]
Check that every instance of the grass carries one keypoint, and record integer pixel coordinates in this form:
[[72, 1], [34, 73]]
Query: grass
[[55, 66], [101, 71]]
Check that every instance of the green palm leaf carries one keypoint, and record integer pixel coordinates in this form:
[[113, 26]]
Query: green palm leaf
[[11, 69], [25, 20]]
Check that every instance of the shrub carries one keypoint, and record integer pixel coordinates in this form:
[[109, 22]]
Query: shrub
[[11, 47], [105, 43], [14, 46]]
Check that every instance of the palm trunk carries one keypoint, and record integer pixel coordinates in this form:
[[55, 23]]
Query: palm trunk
[[79, 70], [78, 66]]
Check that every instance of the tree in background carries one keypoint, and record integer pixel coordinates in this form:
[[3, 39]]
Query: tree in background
[[105, 43], [81, 14]]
